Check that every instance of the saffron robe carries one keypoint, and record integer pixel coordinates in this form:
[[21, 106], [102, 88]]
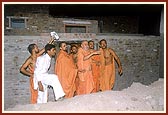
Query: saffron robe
[[66, 71], [34, 93], [77, 78], [86, 84], [96, 72], [107, 73]]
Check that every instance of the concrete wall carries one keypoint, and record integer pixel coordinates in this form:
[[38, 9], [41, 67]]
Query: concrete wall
[[139, 55]]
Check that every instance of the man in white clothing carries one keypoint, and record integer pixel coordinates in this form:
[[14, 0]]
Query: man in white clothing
[[41, 75]]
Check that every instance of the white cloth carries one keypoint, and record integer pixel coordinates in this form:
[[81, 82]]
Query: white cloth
[[41, 74], [42, 96]]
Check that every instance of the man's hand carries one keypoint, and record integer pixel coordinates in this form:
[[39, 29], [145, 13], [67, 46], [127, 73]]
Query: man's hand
[[82, 71], [120, 70], [40, 86], [96, 53]]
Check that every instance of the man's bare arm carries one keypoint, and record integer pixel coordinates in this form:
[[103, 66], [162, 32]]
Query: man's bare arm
[[51, 40], [91, 54], [118, 61], [43, 50], [23, 68]]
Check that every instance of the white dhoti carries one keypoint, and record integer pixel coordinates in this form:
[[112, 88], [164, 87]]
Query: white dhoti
[[43, 96], [50, 80]]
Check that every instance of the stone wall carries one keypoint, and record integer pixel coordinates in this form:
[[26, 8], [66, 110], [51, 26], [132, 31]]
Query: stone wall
[[16, 85], [139, 55], [43, 23]]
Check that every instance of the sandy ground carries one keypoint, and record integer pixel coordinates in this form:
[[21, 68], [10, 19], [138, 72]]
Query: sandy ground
[[137, 98]]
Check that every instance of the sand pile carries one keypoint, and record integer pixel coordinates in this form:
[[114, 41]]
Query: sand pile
[[138, 97]]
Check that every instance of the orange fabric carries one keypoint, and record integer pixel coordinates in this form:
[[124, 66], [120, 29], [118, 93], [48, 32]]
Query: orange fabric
[[76, 84], [34, 93], [107, 74], [86, 84], [66, 71], [77, 78], [96, 72]]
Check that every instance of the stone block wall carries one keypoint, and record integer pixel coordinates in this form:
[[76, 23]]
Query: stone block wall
[[16, 85], [43, 23], [139, 55]]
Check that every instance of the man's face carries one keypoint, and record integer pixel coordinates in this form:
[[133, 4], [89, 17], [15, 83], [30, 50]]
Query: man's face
[[91, 45], [74, 50], [36, 49], [52, 52], [103, 44], [63, 47], [85, 45]]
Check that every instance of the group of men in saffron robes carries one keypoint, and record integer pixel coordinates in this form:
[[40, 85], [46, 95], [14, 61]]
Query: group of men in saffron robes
[[83, 71], [86, 70]]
